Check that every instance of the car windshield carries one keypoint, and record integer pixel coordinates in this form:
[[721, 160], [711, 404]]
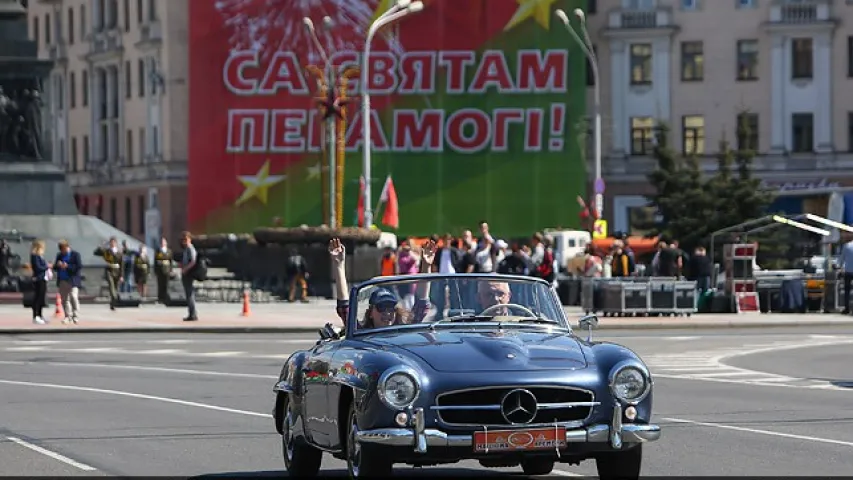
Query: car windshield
[[452, 299]]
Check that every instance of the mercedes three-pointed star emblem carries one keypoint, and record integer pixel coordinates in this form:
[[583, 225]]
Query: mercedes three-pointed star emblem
[[519, 406]]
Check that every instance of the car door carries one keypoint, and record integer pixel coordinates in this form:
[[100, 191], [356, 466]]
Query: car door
[[316, 375]]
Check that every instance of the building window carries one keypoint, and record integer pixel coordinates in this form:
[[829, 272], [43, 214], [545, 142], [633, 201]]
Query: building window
[[85, 88], [152, 10], [642, 135], [850, 56], [126, 15], [36, 33], [128, 77], [70, 25], [142, 145], [74, 158], [591, 7], [641, 64], [128, 216], [129, 147], [155, 140], [801, 58], [693, 134], [747, 59], [83, 30], [72, 90], [140, 13], [140, 66], [747, 131], [112, 14], [802, 125], [63, 158], [60, 92], [689, 4], [590, 76], [140, 212], [692, 62], [850, 131], [47, 26], [105, 145], [114, 212], [85, 152], [745, 3]]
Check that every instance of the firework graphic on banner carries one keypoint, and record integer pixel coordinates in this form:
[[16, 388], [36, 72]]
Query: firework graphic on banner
[[268, 26]]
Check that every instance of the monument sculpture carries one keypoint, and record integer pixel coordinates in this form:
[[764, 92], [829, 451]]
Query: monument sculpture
[[21, 124]]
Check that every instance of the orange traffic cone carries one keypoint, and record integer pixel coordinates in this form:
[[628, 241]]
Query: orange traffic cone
[[59, 313], [246, 311]]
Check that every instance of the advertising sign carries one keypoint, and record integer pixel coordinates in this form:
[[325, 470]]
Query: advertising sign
[[476, 108]]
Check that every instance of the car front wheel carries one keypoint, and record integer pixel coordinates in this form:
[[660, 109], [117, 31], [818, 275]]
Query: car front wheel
[[361, 461], [619, 465], [300, 459]]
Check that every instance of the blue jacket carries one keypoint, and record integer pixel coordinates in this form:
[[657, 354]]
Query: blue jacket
[[73, 269], [39, 266]]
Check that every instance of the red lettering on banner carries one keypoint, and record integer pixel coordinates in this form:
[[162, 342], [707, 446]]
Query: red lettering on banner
[[533, 130], [247, 131], [284, 73], [418, 133], [355, 133], [417, 70], [542, 75], [287, 131], [234, 75], [501, 118], [455, 61], [493, 71], [382, 74], [478, 123]]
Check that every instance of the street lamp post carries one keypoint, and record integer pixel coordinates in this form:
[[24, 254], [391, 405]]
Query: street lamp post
[[329, 74], [589, 51], [396, 12]]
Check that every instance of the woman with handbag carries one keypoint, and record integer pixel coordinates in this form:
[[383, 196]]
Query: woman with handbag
[[42, 273]]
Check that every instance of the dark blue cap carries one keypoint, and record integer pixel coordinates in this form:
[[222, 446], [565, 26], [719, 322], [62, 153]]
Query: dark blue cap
[[382, 295]]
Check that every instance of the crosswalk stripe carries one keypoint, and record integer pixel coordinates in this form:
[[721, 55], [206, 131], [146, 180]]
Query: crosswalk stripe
[[221, 354]]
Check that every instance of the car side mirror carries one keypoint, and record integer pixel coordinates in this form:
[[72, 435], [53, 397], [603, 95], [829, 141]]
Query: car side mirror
[[588, 322], [328, 332]]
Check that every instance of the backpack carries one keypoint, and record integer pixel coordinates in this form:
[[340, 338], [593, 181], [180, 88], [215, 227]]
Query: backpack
[[199, 271]]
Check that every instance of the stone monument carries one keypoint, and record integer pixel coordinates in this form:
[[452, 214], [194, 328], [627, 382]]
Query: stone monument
[[30, 184]]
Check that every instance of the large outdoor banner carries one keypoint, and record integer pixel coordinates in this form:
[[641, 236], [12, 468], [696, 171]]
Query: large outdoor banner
[[477, 113]]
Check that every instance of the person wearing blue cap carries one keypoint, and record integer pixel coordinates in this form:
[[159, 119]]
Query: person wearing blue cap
[[383, 309]]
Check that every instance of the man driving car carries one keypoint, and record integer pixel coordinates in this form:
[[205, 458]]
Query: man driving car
[[490, 294]]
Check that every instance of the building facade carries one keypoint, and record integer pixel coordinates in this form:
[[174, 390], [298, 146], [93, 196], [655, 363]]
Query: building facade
[[116, 115], [702, 66]]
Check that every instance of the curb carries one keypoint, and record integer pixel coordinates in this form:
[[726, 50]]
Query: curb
[[307, 329]]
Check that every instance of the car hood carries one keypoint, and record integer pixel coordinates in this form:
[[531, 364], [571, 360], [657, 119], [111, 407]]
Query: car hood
[[478, 351]]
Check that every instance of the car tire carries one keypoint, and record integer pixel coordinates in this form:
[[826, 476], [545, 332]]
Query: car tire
[[619, 465], [363, 462], [537, 466], [300, 459]]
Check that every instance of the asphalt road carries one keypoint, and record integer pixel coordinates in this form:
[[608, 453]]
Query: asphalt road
[[198, 404]]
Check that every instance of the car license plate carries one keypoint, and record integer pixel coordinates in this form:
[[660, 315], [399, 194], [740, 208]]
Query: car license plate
[[515, 440]]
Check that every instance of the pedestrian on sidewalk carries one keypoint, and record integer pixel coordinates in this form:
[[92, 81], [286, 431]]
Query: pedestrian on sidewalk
[[41, 275], [163, 270], [112, 256], [846, 267], [188, 263], [67, 266]]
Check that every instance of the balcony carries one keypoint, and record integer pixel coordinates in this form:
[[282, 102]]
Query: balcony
[[105, 45], [58, 52], [785, 14], [150, 33], [117, 172], [646, 21]]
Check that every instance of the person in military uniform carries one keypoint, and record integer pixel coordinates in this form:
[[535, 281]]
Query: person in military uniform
[[113, 256], [163, 270], [141, 264]]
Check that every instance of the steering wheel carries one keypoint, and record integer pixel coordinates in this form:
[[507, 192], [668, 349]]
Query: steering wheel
[[524, 309]]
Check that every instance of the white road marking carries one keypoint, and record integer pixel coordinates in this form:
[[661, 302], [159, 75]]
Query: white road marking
[[26, 349], [682, 338], [761, 432], [164, 352], [145, 368], [53, 455], [221, 354], [176, 341], [140, 396], [98, 350], [566, 473]]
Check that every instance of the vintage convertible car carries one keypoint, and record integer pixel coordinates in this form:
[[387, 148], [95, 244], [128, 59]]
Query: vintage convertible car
[[500, 378]]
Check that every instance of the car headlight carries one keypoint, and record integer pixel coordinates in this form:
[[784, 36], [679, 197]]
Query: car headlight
[[629, 384], [399, 389]]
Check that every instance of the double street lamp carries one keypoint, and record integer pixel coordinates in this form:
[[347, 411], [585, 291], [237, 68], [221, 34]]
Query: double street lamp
[[396, 12], [589, 51]]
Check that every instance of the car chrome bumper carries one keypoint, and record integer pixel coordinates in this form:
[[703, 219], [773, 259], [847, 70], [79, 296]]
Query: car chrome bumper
[[420, 438]]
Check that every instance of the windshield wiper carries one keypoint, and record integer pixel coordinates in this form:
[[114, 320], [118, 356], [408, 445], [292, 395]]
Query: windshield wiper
[[464, 318], [537, 320]]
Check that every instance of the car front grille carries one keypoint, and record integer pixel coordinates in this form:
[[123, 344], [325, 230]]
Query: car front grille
[[482, 406]]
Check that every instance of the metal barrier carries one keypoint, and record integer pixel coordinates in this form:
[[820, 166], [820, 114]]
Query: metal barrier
[[638, 296]]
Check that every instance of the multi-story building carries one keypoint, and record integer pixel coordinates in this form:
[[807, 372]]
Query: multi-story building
[[701, 66], [117, 112]]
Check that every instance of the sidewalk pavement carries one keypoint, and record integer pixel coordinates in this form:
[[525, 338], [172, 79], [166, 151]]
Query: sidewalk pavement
[[302, 318]]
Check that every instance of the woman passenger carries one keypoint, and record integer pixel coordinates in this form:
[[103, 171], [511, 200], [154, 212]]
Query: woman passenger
[[380, 312]]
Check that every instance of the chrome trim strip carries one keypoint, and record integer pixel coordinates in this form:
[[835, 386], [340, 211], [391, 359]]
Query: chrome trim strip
[[420, 428], [403, 437], [616, 428], [543, 406]]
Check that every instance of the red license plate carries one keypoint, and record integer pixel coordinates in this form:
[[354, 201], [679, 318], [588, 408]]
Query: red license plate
[[520, 440]]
